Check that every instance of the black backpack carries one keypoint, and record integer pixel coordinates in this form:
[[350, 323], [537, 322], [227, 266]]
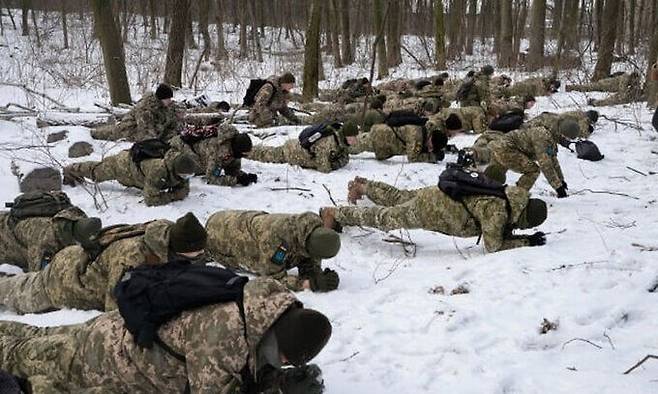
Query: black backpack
[[404, 118], [148, 149], [254, 86], [458, 182], [507, 122], [587, 150], [38, 204], [465, 89], [312, 134], [149, 296]]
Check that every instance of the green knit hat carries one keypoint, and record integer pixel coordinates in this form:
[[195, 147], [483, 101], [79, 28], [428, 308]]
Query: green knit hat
[[287, 78], [301, 334], [533, 215], [323, 243], [86, 228], [569, 128], [185, 164], [187, 235], [350, 128]]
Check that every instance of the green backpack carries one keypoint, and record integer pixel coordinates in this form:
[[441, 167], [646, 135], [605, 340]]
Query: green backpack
[[38, 204]]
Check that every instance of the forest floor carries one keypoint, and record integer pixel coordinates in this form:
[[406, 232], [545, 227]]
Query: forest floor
[[397, 328]]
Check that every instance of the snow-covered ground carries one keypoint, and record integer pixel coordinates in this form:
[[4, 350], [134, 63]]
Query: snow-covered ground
[[395, 330]]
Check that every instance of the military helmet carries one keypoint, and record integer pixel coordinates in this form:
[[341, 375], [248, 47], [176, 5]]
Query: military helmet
[[569, 128], [533, 215], [592, 115], [323, 243]]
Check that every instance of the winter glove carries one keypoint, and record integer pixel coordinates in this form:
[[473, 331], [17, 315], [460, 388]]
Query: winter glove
[[303, 380], [247, 179], [440, 155], [451, 148], [562, 191], [537, 239], [564, 184], [323, 281]]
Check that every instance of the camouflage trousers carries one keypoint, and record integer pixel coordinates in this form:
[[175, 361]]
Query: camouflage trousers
[[108, 133], [503, 159], [396, 209], [622, 97], [268, 154], [611, 85], [262, 118], [363, 144], [62, 284], [99, 171], [481, 150], [32, 352]]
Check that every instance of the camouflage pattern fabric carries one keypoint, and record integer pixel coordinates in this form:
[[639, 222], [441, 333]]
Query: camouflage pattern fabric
[[611, 85], [481, 150], [550, 121], [155, 177], [527, 151], [100, 356], [472, 118], [215, 156], [536, 86], [397, 86], [430, 209], [386, 142], [30, 242], [73, 280], [399, 103], [502, 106], [480, 93], [148, 119], [630, 91], [248, 240], [325, 155], [270, 101]]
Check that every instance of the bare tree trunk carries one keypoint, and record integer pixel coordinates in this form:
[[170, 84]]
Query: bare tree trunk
[[244, 49], [631, 27], [219, 19], [521, 16], [393, 48], [11, 16], [599, 23], [335, 18], [382, 62], [36, 28], [154, 28], [537, 34], [204, 11], [439, 36], [254, 30], [472, 15], [604, 62], [65, 27], [556, 15], [25, 9], [652, 86], [505, 52], [348, 55], [312, 53], [176, 47], [189, 31], [113, 56]]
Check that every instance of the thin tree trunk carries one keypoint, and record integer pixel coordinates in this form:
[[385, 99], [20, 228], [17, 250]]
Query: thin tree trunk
[[254, 31], [11, 15], [219, 20], [36, 28], [244, 49], [204, 11], [312, 53], [537, 34], [439, 36], [348, 57], [176, 46], [154, 29], [393, 48], [472, 15], [25, 9], [335, 18], [113, 56], [382, 62], [65, 28], [189, 31], [631, 27], [604, 62], [505, 52]]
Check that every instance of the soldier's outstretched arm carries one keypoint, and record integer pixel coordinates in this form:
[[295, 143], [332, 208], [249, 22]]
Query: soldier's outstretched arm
[[414, 147], [492, 215], [546, 153], [222, 174]]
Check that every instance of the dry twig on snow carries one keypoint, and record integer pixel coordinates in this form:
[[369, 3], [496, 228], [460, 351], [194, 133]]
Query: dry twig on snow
[[647, 357]]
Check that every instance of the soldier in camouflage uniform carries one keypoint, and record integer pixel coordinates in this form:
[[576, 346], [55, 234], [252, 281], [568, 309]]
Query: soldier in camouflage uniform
[[161, 180], [613, 84], [271, 244], [479, 94], [154, 116], [431, 209], [75, 278], [31, 242], [530, 150], [421, 144], [325, 155], [537, 86], [629, 92], [585, 119], [272, 99], [471, 118], [218, 156], [210, 349], [502, 106]]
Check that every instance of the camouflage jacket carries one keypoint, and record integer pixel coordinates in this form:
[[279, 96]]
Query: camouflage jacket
[[148, 119], [155, 177], [101, 356], [215, 156], [550, 121], [472, 118], [480, 93], [537, 86], [405, 140], [31, 242], [248, 240], [476, 215], [538, 144], [271, 99]]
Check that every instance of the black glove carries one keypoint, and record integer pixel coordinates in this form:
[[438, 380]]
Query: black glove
[[440, 155], [564, 184], [562, 191], [247, 179], [326, 280], [302, 380], [451, 148], [537, 239]]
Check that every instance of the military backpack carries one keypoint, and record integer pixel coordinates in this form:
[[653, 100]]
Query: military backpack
[[38, 204], [404, 118], [254, 86], [465, 89], [458, 182], [507, 122], [111, 234], [312, 134], [148, 149], [587, 150]]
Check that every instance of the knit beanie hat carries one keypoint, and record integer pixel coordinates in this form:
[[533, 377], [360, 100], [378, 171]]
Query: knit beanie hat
[[287, 78], [569, 128], [323, 243], [453, 122], [534, 214], [240, 145], [301, 334], [185, 164], [164, 91], [187, 235]]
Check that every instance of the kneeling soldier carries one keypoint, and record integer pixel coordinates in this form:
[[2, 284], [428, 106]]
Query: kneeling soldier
[[270, 244]]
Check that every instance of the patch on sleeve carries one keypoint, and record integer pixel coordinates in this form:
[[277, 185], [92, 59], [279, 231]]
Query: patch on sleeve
[[551, 151]]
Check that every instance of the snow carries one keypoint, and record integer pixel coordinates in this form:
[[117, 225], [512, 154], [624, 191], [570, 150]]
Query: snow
[[392, 332]]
